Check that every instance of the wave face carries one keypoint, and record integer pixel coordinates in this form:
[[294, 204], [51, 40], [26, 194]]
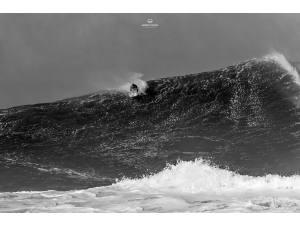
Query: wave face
[[244, 120]]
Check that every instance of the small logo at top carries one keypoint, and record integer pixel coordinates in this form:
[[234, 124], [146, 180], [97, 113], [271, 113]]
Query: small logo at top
[[149, 20], [150, 24]]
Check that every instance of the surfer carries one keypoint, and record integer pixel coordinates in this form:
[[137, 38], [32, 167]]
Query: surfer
[[134, 90]]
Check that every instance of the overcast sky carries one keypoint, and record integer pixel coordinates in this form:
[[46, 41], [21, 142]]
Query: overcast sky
[[46, 57]]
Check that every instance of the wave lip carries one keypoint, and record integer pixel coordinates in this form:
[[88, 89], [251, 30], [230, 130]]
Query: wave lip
[[281, 60]]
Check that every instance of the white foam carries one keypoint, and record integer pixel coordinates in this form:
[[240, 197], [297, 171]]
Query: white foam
[[284, 63], [200, 177], [185, 187]]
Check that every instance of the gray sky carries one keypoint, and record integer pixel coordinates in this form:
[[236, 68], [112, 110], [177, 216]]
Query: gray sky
[[46, 57]]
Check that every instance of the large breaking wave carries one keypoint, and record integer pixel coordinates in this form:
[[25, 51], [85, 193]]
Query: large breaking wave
[[225, 140]]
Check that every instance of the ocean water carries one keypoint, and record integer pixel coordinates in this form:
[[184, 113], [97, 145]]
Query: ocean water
[[219, 141], [194, 186]]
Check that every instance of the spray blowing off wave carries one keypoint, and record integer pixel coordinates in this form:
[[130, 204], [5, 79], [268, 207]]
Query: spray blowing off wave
[[185, 187], [284, 63]]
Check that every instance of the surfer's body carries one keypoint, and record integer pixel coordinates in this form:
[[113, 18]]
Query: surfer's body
[[134, 90]]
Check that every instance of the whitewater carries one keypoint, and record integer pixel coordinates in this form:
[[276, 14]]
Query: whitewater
[[221, 141], [194, 186]]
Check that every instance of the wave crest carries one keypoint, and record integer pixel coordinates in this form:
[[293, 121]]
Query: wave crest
[[281, 60]]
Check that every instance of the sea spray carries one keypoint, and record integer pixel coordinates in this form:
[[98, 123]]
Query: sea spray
[[285, 64], [200, 176]]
